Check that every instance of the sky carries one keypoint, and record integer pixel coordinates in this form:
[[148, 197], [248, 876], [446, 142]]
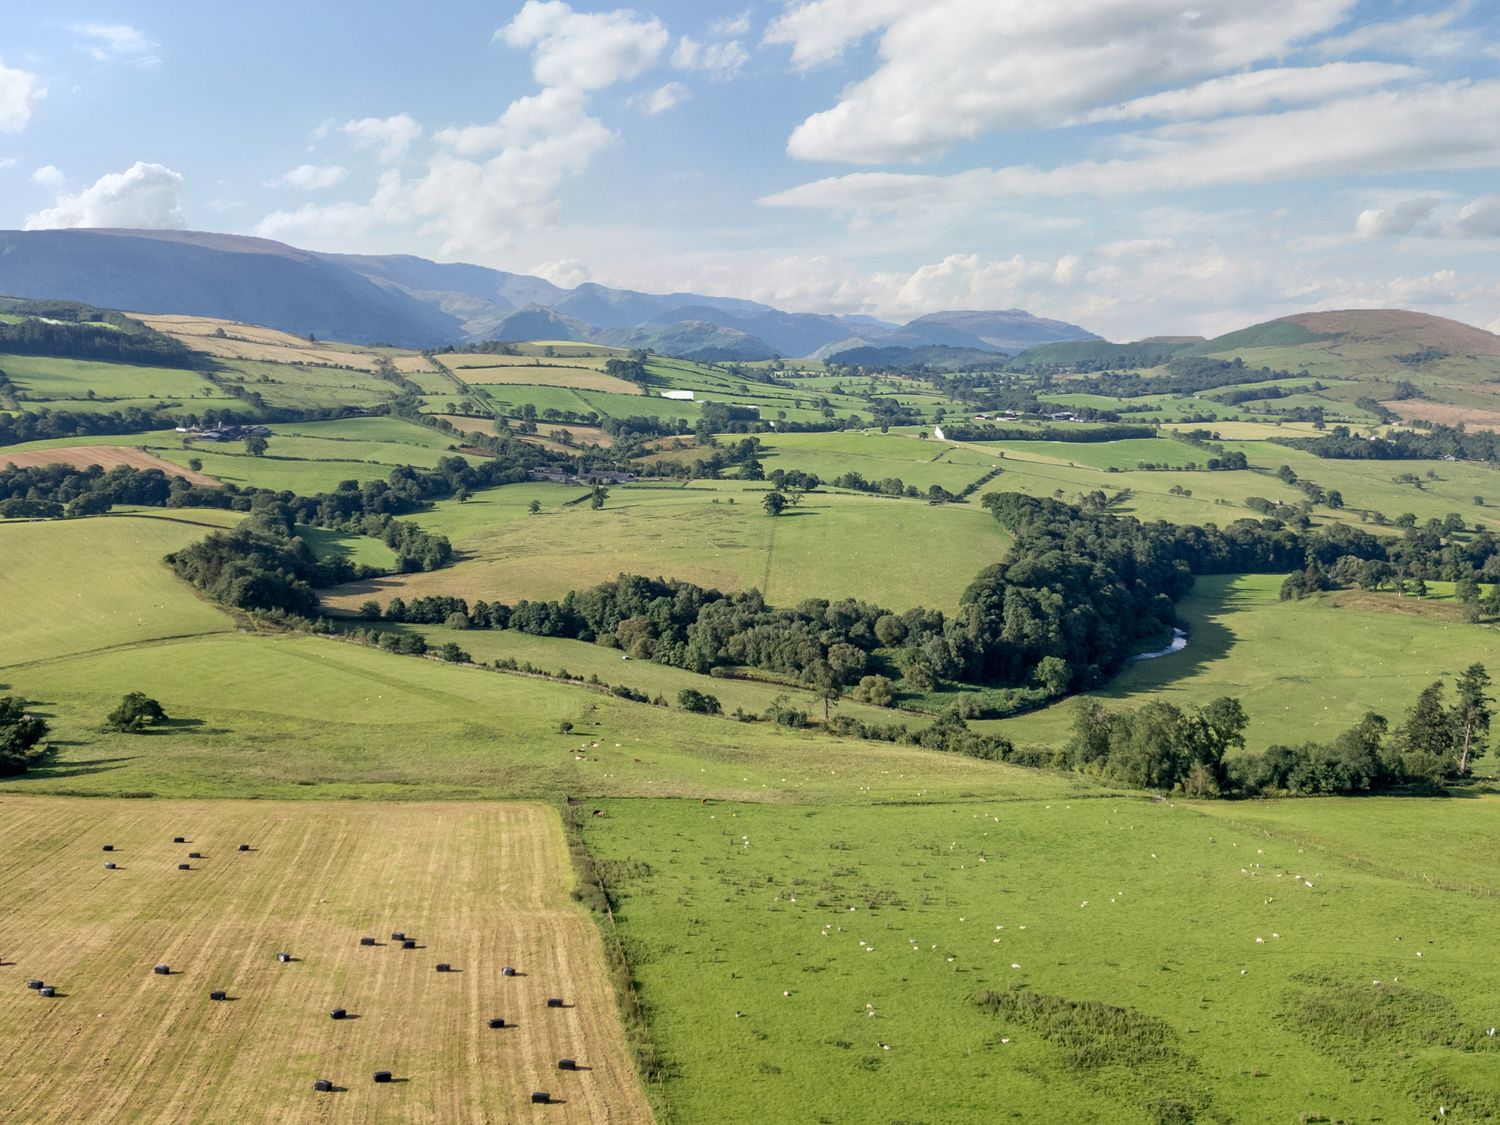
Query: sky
[[1138, 167]]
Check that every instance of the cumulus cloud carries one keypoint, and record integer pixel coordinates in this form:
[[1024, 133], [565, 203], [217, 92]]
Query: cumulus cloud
[[390, 137], [48, 176], [105, 41], [482, 185], [311, 177], [1400, 218], [567, 272], [585, 50], [730, 26], [950, 70], [720, 59], [143, 196], [661, 99], [1428, 34], [1447, 126], [19, 93]]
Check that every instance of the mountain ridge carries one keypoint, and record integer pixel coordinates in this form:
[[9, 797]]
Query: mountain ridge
[[410, 301]]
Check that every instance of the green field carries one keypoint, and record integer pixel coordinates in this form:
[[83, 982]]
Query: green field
[[717, 537], [1304, 670], [830, 958], [877, 457]]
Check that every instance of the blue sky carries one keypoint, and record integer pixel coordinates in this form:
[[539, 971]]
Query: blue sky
[[1136, 166]]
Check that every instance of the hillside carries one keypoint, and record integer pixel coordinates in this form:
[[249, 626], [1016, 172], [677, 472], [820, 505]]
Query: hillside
[[413, 302]]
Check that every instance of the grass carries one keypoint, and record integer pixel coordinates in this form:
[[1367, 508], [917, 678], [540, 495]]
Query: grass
[[1126, 454], [578, 378], [365, 549], [717, 537], [1303, 670], [878, 457], [1118, 934], [78, 586], [478, 886]]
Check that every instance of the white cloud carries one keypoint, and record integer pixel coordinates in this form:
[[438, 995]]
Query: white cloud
[[483, 185], [1399, 218], [820, 30], [1477, 219], [10, 162], [1427, 35], [1255, 90], [388, 136], [311, 177], [567, 272], [661, 99], [730, 26], [585, 50], [720, 59], [950, 70], [105, 41], [1447, 126], [143, 196], [49, 176], [19, 93]]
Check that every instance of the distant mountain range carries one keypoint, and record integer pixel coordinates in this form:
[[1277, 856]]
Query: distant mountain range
[[413, 302]]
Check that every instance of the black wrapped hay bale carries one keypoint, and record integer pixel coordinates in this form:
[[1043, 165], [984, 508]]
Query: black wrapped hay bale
[[111, 867], [554, 1002], [507, 972], [195, 855], [218, 994], [338, 1014], [184, 867], [244, 847], [179, 839], [444, 967], [497, 1022], [567, 1064], [398, 935], [163, 970], [46, 990], [108, 847], [283, 957], [33, 984], [541, 1098], [323, 1086], [382, 1076], [409, 943], [366, 941]]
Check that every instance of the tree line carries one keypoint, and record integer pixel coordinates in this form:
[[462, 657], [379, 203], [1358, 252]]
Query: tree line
[[1190, 750], [1435, 444]]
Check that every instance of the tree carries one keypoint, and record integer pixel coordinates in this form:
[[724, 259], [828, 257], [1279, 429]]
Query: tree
[[196, 464], [775, 503], [1471, 714], [135, 711], [461, 494], [255, 445], [20, 734], [699, 702], [1426, 737], [1054, 675], [600, 494], [824, 680], [534, 507]]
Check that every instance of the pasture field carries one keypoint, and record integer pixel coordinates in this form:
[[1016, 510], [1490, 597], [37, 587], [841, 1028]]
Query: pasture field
[[301, 386], [1154, 962], [478, 886], [717, 537], [366, 549], [64, 384], [1304, 670], [1125, 454], [877, 457], [228, 339], [74, 586], [551, 375]]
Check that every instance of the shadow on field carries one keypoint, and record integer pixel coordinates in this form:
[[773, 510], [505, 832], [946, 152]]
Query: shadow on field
[[50, 768]]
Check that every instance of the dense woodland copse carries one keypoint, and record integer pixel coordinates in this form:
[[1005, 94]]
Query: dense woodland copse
[[1437, 443], [77, 331]]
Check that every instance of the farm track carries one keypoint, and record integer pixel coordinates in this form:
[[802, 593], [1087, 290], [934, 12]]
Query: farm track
[[477, 886]]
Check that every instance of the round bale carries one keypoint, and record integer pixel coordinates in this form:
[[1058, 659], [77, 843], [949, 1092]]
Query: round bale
[[184, 867], [283, 957], [195, 855], [382, 1076], [408, 944], [163, 970], [507, 972], [497, 1022], [567, 1064], [33, 984], [179, 839], [111, 867], [218, 994], [46, 990], [323, 1086], [540, 1098], [338, 1014], [444, 967], [366, 941], [244, 847], [109, 847]]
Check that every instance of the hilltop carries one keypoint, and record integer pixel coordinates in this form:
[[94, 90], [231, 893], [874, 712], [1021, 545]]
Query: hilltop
[[416, 303]]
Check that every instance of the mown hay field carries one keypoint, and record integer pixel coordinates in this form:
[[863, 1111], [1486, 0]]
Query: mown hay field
[[477, 886], [105, 456]]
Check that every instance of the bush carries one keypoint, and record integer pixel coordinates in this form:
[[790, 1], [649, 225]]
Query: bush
[[700, 702]]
